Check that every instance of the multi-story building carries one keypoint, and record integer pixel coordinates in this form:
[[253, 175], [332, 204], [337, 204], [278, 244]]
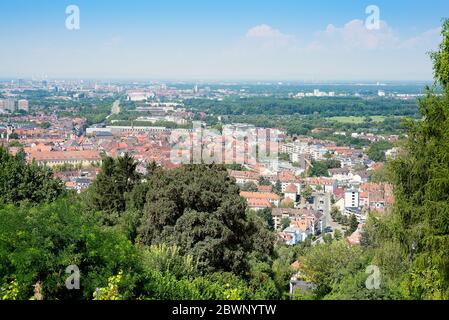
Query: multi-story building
[[23, 105], [9, 104], [352, 198], [84, 158]]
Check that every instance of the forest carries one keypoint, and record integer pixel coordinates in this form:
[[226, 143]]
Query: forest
[[324, 106]]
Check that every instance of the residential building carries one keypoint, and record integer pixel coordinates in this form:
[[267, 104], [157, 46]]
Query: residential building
[[84, 158], [23, 105]]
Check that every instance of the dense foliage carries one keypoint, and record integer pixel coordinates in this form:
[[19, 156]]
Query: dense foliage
[[376, 151], [195, 207], [20, 181], [181, 234], [409, 246], [326, 107]]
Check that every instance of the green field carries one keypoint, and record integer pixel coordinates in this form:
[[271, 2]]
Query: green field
[[356, 120]]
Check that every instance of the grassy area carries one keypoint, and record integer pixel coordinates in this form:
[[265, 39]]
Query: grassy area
[[356, 120]]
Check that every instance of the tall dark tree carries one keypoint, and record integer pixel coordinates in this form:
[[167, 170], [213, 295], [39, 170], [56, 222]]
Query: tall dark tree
[[421, 177], [198, 207], [117, 178]]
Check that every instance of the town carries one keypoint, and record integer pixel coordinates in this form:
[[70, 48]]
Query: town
[[177, 153], [311, 187]]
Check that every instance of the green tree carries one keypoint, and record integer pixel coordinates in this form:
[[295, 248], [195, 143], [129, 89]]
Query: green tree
[[376, 151], [263, 181], [40, 242], [338, 235], [318, 169], [278, 187], [306, 193], [353, 224], [117, 179], [267, 217], [249, 186], [421, 178], [198, 207], [20, 181], [327, 265], [285, 223], [284, 157]]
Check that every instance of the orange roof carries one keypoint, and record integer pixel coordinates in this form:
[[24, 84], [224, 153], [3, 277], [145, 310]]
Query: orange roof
[[299, 224], [371, 186], [87, 155], [291, 188], [259, 195], [364, 194]]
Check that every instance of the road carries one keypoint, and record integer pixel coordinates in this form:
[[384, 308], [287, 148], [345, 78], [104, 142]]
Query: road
[[115, 108], [328, 222]]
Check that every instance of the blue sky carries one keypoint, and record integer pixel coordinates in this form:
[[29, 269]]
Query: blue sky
[[251, 40]]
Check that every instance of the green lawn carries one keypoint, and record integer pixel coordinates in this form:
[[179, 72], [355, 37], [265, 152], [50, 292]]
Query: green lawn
[[356, 120]]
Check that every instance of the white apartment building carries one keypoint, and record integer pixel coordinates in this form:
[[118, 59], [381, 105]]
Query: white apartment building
[[352, 198]]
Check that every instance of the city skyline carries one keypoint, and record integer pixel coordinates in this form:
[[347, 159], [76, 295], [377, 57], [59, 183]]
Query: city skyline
[[263, 41]]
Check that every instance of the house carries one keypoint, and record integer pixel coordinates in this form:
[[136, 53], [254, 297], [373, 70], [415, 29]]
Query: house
[[325, 184], [286, 178], [295, 236], [258, 204], [262, 188], [272, 198], [303, 219], [291, 192], [84, 158], [242, 177], [340, 174], [280, 213]]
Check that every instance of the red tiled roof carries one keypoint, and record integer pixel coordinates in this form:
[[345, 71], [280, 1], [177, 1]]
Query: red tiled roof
[[259, 195], [291, 188], [87, 155]]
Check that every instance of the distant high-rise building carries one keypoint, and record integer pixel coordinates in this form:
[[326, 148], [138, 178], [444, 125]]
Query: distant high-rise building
[[2, 106], [9, 104], [23, 105], [381, 93]]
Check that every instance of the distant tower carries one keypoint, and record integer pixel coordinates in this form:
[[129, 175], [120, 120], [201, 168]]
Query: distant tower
[[23, 105], [9, 104], [9, 131]]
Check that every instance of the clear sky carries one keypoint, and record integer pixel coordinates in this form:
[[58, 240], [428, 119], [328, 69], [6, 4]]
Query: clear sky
[[214, 39]]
